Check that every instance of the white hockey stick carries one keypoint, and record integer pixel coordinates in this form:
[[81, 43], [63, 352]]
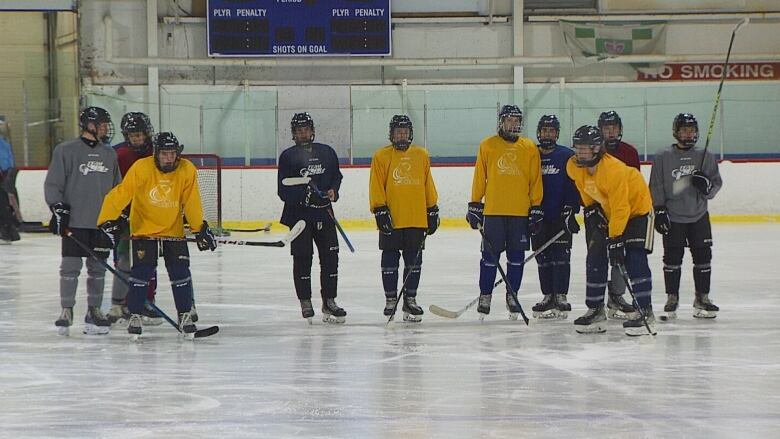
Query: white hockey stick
[[286, 239], [295, 181]]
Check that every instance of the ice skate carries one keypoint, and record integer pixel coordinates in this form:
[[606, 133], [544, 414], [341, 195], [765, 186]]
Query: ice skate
[[563, 306], [636, 326], [483, 307], [150, 316], [186, 326], [512, 305], [135, 326], [619, 309], [118, 314], [593, 321], [547, 308], [672, 302], [65, 321], [332, 313], [307, 310], [412, 312], [95, 322], [703, 308], [391, 305]]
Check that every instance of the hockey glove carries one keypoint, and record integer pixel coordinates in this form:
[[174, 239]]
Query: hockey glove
[[60, 218], [384, 222], [701, 182], [111, 230], [662, 222], [433, 219], [569, 221], [476, 214], [315, 199], [205, 239], [616, 251], [535, 218], [595, 220]]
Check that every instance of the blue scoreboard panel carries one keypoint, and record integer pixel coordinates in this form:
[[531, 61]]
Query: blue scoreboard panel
[[298, 27]]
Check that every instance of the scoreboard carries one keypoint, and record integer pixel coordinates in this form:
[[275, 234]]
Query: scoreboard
[[298, 27]]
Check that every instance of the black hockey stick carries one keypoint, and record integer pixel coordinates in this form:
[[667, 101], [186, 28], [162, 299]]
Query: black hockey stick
[[265, 228], [630, 288], [742, 22], [306, 180], [441, 312], [402, 291], [494, 255], [205, 332]]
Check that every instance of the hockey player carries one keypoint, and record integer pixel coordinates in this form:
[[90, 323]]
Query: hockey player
[[9, 215], [138, 132], [618, 229], [82, 171], [507, 176], [158, 189], [682, 180], [312, 203], [402, 197], [611, 127], [560, 203]]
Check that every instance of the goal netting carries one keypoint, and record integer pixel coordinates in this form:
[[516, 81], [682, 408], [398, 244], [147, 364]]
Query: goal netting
[[210, 185]]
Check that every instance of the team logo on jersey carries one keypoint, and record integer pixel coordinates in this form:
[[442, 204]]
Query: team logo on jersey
[[161, 195], [312, 169], [402, 174], [140, 253], [550, 170], [593, 191], [93, 166], [507, 164], [683, 171]]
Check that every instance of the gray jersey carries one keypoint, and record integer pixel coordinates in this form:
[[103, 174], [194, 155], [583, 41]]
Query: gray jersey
[[670, 182], [81, 176]]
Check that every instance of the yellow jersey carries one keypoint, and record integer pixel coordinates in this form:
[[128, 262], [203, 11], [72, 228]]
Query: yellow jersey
[[508, 176], [619, 189], [158, 200], [402, 181]]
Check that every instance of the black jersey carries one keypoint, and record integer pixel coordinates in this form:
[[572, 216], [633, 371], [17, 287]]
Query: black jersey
[[320, 163]]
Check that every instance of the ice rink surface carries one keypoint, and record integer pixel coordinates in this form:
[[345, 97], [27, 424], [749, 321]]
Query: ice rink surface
[[269, 374]]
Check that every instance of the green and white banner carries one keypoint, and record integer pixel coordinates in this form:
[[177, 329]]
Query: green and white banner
[[589, 42]]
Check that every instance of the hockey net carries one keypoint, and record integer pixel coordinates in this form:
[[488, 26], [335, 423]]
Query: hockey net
[[210, 185]]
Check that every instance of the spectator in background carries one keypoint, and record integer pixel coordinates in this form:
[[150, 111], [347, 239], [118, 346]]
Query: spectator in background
[[10, 219]]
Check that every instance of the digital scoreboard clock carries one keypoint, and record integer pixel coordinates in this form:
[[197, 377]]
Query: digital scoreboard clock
[[298, 27]]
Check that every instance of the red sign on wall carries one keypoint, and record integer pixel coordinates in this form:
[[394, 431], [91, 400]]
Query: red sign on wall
[[713, 71]]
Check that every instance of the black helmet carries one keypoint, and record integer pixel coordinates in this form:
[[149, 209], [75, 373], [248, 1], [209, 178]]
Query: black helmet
[[401, 121], [96, 116], [611, 118], [166, 141], [548, 121], [590, 136], [137, 122], [300, 120], [685, 120], [506, 112]]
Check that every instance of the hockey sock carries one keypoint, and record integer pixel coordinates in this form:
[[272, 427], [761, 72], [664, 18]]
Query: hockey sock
[[139, 281], [545, 266], [96, 282], [70, 267], [639, 274], [181, 284], [302, 276], [412, 272], [672, 269], [389, 262], [702, 269], [560, 269], [329, 273], [514, 268], [487, 273], [596, 266]]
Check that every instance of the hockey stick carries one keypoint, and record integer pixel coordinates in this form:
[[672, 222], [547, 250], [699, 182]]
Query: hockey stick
[[205, 332], [441, 312], [630, 288], [341, 230], [287, 239], [295, 181], [742, 22], [265, 228], [401, 292]]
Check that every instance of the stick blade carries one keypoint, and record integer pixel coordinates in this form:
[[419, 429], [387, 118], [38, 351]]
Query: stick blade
[[206, 332], [741, 24], [295, 181], [296, 230], [441, 312]]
